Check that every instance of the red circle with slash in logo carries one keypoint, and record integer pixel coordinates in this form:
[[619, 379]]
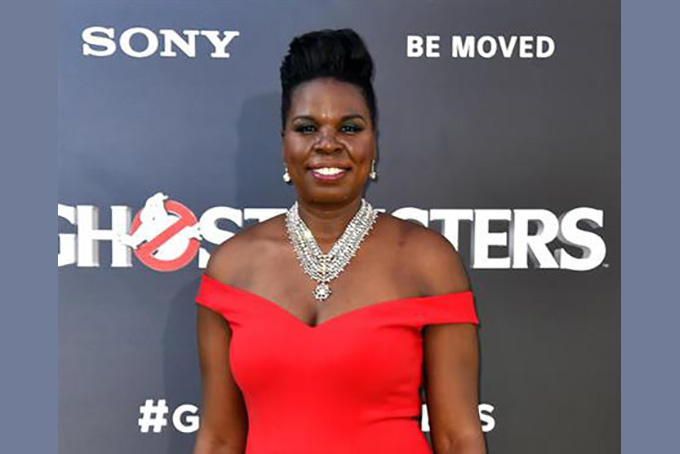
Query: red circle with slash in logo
[[145, 252]]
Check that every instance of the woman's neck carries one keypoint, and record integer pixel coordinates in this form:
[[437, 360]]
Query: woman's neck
[[328, 221]]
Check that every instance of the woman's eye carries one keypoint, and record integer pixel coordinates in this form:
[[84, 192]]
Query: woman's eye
[[351, 128], [305, 129]]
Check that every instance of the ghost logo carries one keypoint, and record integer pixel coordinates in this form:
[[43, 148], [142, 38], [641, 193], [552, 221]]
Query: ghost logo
[[165, 234]]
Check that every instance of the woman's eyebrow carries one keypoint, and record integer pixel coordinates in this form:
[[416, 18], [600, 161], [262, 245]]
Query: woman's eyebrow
[[344, 118], [303, 117], [352, 116]]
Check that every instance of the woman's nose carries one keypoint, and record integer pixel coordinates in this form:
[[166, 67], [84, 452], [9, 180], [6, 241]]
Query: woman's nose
[[327, 139]]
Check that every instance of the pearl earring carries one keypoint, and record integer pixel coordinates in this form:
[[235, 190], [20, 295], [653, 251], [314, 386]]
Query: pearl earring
[[286, 175], [373, 174]]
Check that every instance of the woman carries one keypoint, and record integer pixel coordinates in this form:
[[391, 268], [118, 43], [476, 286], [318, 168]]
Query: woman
[[303, 352]]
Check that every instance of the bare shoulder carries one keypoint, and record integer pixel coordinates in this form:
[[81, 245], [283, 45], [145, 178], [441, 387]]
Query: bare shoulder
[[432, 258], [234, 259]]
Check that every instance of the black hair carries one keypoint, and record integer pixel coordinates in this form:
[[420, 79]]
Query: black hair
[[338, 54]]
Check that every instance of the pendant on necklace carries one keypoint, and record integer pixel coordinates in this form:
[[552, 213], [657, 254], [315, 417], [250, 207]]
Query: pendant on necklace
[[322, 291]]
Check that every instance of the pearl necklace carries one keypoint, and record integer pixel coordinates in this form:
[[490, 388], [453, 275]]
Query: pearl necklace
[[321, 267]]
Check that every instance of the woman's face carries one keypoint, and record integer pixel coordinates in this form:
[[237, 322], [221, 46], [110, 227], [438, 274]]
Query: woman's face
[[328, 125]]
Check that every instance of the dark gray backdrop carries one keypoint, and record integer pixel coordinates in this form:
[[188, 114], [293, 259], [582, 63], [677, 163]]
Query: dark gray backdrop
[[497, 133]]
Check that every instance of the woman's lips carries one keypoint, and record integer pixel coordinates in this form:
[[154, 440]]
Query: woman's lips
[[321, 177]]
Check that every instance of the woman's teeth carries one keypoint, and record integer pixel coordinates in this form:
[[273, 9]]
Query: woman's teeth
[[329, 170]]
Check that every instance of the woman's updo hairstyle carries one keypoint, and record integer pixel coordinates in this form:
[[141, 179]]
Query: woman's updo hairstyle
[[339, 54]]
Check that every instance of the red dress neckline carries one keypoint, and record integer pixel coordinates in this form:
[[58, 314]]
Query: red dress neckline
[[338, 318]]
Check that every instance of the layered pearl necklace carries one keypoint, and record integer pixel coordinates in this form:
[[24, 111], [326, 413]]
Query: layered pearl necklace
[[321, 267]]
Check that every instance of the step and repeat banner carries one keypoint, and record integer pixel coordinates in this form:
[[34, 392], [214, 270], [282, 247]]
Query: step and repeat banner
[[499, 128]]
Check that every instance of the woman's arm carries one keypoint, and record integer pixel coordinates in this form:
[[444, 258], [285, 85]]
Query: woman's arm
[[450, 355], [223, 421], [451, 386]]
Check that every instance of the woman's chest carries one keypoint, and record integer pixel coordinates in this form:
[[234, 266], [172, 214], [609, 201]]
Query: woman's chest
[[381, 271], [361, 352]]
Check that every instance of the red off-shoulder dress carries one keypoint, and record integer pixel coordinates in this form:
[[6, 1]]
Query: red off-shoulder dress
[[347, 386]]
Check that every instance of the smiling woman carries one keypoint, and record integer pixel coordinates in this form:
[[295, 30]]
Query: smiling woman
[[317, 328], [328, 104], [327, 115]]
